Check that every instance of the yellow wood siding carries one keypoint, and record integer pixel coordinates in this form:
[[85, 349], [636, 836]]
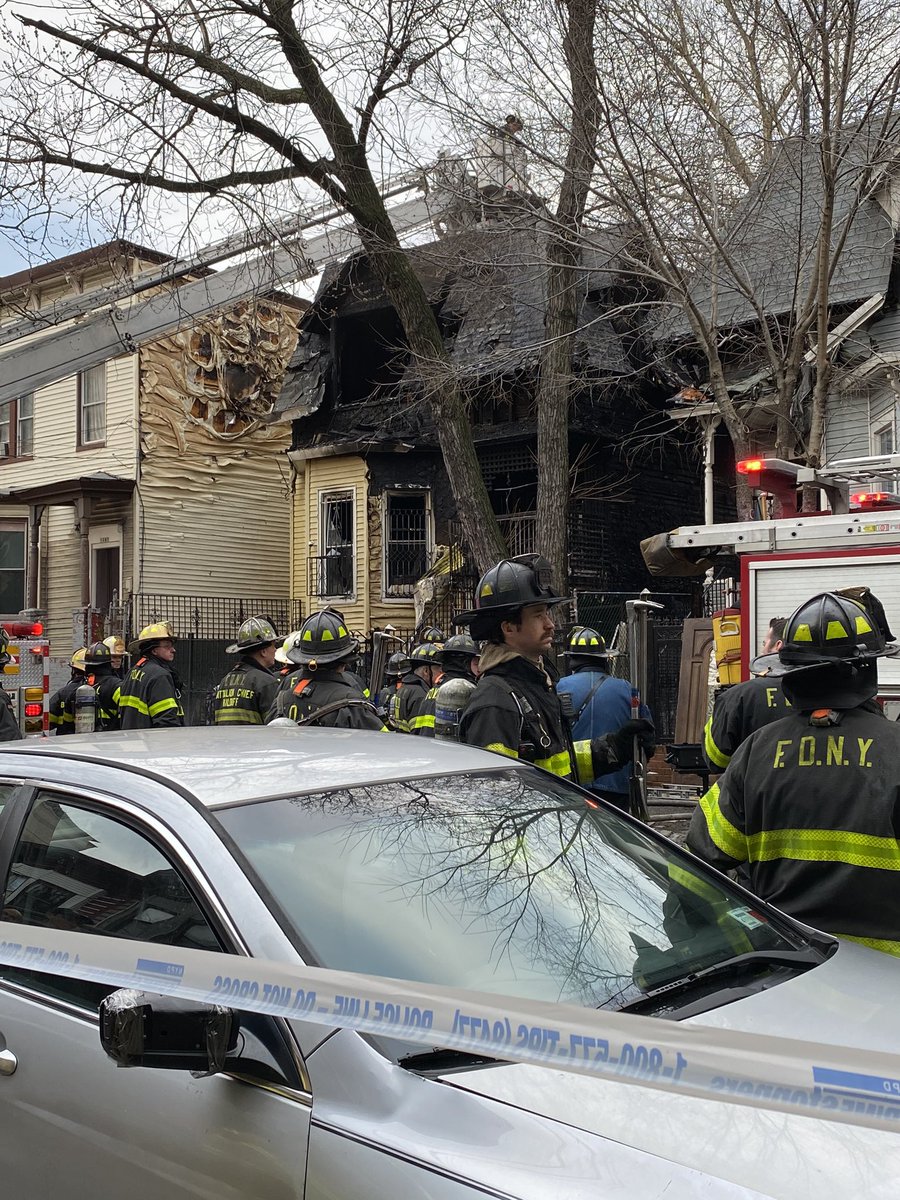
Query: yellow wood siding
[[368, 607]]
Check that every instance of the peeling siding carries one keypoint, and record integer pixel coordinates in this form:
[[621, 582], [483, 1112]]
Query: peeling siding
[[214, 483]]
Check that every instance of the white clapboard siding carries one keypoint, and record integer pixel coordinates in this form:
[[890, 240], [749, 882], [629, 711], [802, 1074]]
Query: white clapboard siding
[[60, 583], [56, 455]]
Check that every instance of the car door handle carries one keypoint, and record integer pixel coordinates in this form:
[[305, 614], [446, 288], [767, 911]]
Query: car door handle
[[8, 1062]]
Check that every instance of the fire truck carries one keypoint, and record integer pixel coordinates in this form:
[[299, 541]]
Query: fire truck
[[26, 677], [782, 561]]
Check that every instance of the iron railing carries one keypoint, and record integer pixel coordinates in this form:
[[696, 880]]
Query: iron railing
[[331, 574], [211, 616]]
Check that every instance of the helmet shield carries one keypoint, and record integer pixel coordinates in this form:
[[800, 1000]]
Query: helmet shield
[[255, 633], [323, 638]]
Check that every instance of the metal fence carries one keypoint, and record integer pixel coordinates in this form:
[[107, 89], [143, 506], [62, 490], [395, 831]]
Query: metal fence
[[214, 617], [606, 612]]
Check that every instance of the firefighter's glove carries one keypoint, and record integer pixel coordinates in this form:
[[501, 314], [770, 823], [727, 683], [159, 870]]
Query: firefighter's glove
[[622, 741]]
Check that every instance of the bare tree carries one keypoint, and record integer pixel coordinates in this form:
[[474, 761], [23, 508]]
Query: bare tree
[[798, 99], [256, 102]]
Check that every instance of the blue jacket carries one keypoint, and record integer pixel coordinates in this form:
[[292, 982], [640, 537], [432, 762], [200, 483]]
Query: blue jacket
[[610, 707]]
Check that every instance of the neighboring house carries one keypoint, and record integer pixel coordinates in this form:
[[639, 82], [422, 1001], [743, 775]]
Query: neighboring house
[[372, 499], [771, 242], [150, 484]]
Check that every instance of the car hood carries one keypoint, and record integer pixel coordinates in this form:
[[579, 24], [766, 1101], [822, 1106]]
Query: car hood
[[849, 1000]]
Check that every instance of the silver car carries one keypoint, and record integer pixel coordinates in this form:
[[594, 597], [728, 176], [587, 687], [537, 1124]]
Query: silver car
[[416, 860]]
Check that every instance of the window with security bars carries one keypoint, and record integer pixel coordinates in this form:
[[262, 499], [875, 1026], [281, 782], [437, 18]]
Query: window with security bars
[[334, 568], [92, 406], [406, 541]]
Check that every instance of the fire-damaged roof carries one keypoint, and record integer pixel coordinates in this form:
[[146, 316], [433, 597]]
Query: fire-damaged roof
[[488, 285]]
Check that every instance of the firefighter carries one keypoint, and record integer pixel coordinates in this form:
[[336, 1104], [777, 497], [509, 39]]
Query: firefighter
[[514, 709], [600, 704], [9, 726], [118, 654], [150, 694], [62, 702], [458, 659], [397, 665], [245, 695], [285, 666], [741, 709], [324, 649], [106, 683], [405, 713], [809, 806]]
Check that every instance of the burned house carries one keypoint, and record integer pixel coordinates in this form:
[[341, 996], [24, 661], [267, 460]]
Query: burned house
[[373, 506]]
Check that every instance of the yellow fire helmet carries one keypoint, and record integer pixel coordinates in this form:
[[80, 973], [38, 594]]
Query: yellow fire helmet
[[117, 646], [77, 659], [157, 632]]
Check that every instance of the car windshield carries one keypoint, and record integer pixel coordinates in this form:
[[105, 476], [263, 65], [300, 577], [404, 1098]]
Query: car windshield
[[502, 881]]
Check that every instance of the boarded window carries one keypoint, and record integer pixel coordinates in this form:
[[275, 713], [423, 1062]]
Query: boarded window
[[406, 541]]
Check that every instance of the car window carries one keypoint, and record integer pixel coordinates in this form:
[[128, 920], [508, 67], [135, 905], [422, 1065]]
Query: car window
[[74, 868], [6, 790], [503, 881]]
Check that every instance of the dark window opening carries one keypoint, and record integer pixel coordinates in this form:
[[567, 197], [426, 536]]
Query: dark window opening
[[406, 541], [371, 354], [332, 572], [12, 566]]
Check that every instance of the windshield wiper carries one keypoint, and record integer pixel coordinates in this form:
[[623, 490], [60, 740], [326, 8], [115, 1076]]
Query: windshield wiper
[[738, 967], [439, 1061]]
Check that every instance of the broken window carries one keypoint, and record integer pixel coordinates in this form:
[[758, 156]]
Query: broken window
[[406, 540], [334, 574]]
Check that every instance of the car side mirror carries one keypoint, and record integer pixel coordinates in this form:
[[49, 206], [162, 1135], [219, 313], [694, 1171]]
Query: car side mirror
[[143, 1029]]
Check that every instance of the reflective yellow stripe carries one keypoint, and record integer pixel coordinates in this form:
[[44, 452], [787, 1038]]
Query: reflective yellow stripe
[[713, 753], [584, 762], [559, 764], [423, 721], [237, 716], [882, 944], [134, 702], [825, 845], [163, 706], [726, 836], [499, 748]]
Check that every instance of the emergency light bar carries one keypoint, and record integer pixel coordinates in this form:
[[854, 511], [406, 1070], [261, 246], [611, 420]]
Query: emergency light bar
[[24, 629], [874, 500]]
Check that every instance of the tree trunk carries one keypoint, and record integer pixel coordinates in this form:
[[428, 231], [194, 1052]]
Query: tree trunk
[[564, 291], [442, 392]]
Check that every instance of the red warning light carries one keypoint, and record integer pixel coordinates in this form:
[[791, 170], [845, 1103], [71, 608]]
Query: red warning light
[[33, 710], [750, 466]]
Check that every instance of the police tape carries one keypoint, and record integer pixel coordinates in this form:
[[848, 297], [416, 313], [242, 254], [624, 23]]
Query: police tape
[[854, 1086]]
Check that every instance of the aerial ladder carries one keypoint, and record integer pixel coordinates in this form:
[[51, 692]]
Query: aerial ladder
[[80, 332]]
